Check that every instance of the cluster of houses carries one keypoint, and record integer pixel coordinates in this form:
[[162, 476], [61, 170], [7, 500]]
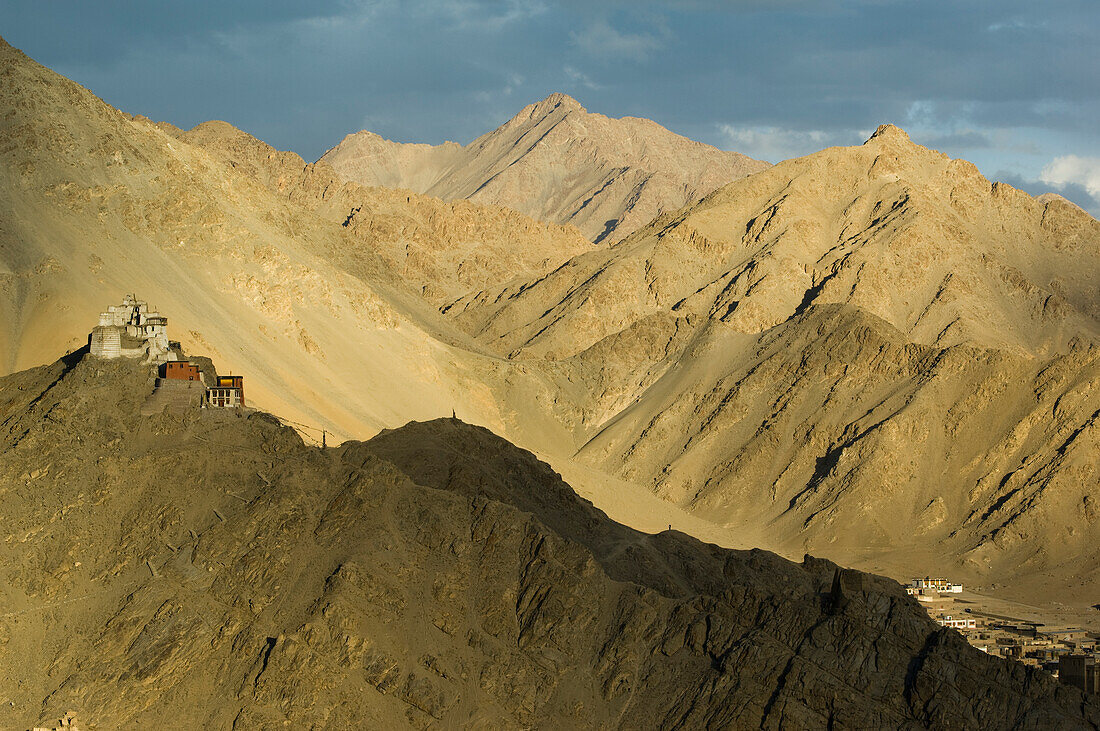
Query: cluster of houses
[[1071, 654], [926, 588], [134, 330], [226, 391]]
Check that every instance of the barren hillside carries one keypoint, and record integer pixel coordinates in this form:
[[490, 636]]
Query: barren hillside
[[443, 250], [555, 161], [247, 255], [867, 351], [897, 230], [209, 570]]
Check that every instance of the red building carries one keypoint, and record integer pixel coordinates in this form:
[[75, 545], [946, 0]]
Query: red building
[[181, 370]]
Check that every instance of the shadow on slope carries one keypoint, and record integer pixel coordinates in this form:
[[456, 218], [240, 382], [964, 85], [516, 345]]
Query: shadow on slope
[[211, 568]]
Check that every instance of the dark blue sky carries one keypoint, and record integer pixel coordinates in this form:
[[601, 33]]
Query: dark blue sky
[[1013, 86]]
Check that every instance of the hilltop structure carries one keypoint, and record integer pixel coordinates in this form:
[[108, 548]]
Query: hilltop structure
[[183, 370], [134, 330], [131, 330]]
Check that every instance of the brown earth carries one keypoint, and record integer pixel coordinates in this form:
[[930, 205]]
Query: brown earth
[[211, 570]]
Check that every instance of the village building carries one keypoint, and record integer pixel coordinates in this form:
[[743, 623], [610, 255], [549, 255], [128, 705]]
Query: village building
[[1080, 671], [957, 622], [182, 370], [943, 586], [227, 393]]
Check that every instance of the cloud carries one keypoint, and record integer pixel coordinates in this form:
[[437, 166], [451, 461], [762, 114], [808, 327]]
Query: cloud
[[1073, 170], [579, 77], [302, 75], [1015, 24], [601, 39], [512, 82], [775, 143], [483, 16], [965, 139], [1071, 191]]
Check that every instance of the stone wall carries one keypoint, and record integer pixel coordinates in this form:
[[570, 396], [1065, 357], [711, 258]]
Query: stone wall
[[106, 342], [131, 330]]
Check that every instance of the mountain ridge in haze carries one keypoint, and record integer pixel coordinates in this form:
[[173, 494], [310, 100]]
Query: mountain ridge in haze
[[554, 161]]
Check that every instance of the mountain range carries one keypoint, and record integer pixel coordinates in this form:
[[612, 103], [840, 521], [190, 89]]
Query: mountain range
[[555, 162], [870, 350], [871, 353]]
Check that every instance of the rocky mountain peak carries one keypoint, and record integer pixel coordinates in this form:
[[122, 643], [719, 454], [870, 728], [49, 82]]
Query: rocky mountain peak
[[621, 172], [890, 132], [557, 100]]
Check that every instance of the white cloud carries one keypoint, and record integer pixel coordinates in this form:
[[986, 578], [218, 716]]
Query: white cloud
[[511, 83], [776, 143], [1015, 24], [579, 77], [1074, 170], [601, 39], [482, 16]]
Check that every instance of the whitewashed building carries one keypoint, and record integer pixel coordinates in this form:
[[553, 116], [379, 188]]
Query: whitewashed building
[[131, 330]]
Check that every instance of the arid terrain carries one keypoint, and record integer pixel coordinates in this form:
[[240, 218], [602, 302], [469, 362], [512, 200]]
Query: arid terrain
[[675, 371], [868, 350], [434, 575], [257, 271], [556, 162]]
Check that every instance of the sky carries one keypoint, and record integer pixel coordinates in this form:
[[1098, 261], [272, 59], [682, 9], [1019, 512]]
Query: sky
[[1012, 86]]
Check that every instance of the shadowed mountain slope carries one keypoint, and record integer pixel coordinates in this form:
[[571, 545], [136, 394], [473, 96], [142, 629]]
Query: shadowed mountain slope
[[555, 161], [208, 570]]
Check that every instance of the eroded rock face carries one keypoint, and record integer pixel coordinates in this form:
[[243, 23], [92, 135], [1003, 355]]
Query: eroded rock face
[[899, 231], [555, 162], [213, 570]]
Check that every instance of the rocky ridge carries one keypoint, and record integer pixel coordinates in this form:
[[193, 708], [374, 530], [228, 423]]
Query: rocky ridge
[[900, 231], [443, 250], [212, 569], [867, 350], [554, 161]]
